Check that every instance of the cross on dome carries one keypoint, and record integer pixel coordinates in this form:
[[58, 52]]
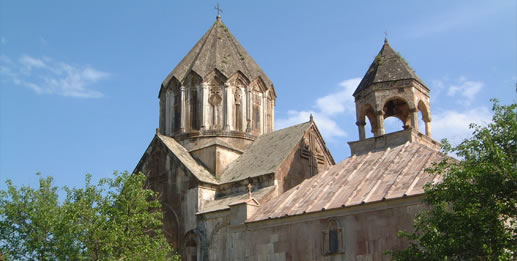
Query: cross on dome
[[219, 10]]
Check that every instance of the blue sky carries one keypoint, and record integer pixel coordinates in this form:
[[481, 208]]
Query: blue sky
[[79, 80]]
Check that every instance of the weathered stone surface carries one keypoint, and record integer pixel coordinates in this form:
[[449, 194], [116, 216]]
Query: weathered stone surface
[[232, 188], [270, 151], [372, 177], [391, 140], [218, 49], [387, 66], [391, 88]]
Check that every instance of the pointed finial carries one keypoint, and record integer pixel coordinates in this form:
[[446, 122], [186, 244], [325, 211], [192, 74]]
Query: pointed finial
[[249, 191], [385, 37], [219, 11], [311, 119]]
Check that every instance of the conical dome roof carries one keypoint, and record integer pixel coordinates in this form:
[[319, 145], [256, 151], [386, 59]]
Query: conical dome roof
[[388, 65], [218, 49]]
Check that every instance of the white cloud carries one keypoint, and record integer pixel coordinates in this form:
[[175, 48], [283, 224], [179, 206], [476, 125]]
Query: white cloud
[[438, 86], [328, 127], [3, 40], [341, 100], [466, 89], [30, 62], [454, 125], [328, 109], [45, 76]]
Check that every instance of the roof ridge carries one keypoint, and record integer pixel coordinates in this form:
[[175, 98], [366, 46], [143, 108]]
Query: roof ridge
[[339, 184], [263, 136], [289, 136], [354, 171], [171, 74], [417, 176], [201, 48], [373, 189], [379, 71], [322, 177], [384, 153], [395, 161], [236, 46], [218, 49], [183, 156], [406, 145]]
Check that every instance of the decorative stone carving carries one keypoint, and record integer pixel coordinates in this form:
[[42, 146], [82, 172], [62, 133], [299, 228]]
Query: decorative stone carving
[[237, 96], [215, 100], [238, 109], [215, 96]]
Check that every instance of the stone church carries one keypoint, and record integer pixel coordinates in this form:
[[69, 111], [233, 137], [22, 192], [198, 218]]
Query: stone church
[[234, 188]]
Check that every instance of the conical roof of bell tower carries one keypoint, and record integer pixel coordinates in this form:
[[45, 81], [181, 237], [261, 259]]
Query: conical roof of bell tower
[[218, 49], [387, 66]]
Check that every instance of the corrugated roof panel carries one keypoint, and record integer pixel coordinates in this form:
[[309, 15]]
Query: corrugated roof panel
[[371, 177]]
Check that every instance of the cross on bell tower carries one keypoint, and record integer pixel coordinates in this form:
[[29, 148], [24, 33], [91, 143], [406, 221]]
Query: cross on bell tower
[[219, 10], [391, 88]]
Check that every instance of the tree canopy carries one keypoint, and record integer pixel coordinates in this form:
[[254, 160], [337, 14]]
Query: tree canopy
[[472, 214], [116, 219]]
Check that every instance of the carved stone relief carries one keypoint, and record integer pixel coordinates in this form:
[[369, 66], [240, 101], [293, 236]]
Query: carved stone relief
[[238, 109], [215, 100]]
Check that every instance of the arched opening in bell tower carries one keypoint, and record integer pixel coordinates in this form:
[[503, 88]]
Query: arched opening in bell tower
[[425, 116], [396, 107], [367, 112]]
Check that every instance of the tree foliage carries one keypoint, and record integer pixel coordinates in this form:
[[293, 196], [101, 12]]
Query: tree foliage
[[473, 212], [116, 219]]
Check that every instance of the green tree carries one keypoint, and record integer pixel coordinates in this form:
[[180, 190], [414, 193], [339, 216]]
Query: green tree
[[473, 212], [117, 219]]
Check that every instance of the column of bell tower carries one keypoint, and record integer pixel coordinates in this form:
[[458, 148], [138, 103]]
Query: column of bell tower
[[390, 88]]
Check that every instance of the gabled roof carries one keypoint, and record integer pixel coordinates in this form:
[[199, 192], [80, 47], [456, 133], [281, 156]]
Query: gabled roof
[[224, 203], [388, 65], [373, 177], [187, 160], [201, 144], [218, 49], [266, 154]]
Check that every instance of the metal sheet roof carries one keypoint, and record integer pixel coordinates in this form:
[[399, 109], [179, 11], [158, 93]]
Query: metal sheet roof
[[376, 176]]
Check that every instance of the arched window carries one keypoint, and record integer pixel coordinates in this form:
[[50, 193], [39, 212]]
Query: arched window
[[425, 117], [191, 251], [237, 110], [194, 109], [269, 110], [257, 103], [369, 113], [177, 110], [171, 226], [399, 108], [332, 239]]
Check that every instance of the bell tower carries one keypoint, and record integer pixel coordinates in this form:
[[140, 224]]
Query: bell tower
[[217, 100], [390, 88]]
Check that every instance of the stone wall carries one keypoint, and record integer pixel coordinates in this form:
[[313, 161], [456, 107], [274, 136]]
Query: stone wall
[[365, 233], [391, 140]]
